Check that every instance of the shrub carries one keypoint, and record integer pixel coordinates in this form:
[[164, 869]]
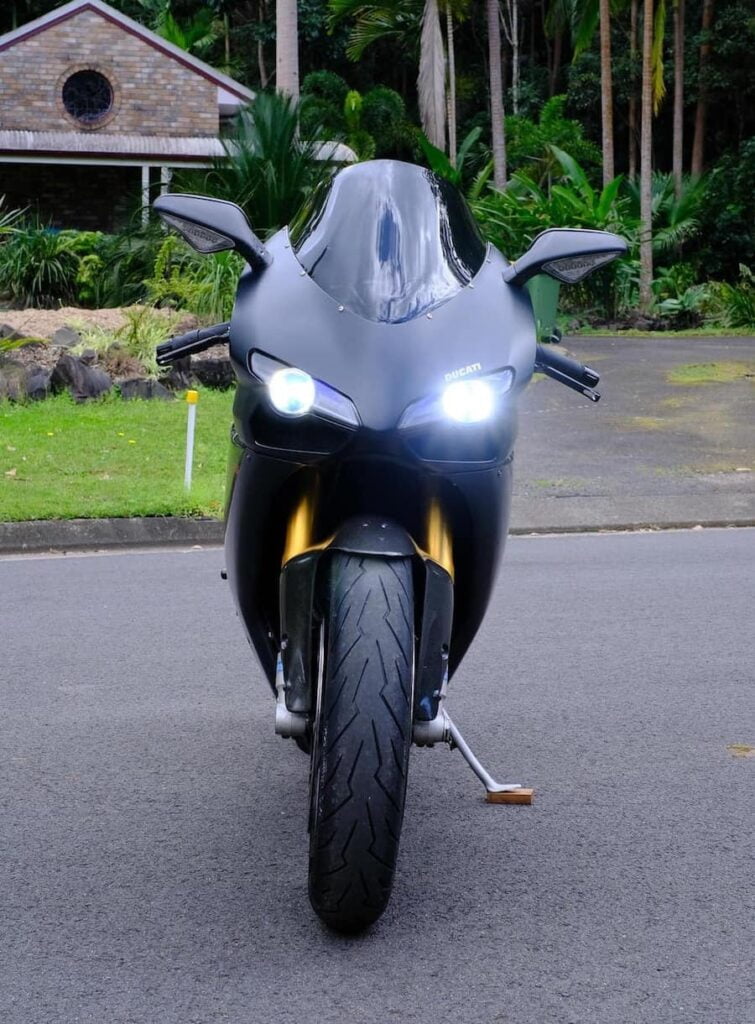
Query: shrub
[[203, 285], [38, 268], [268, 168], [137, 339]]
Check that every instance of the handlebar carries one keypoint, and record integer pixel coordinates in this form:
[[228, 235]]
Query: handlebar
[[193, 341], [567, 371]]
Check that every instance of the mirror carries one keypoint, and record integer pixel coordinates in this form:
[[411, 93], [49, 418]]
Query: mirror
[[566, 254], [212, 225]]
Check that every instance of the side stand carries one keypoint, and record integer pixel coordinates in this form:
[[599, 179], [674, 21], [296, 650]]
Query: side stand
[[442, 730]]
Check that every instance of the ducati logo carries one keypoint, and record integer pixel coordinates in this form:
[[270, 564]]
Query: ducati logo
[[463, 371]]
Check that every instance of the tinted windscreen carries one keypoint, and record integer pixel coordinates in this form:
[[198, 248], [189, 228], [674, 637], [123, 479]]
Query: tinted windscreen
[[388, 240]]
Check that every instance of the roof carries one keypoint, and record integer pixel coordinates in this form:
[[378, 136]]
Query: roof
[[77, 147], [230, 92]]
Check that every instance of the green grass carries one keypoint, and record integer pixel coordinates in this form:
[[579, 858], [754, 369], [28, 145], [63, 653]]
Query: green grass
[[60, 460], [693, 374], [691, 332]]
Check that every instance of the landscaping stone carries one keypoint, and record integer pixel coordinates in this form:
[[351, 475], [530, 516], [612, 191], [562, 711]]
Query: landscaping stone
[[144, 387], [8, 333], [88, 356], [214, 372], [66, 337], [12, 378], [38, 383], [81, 381], [179, 376]]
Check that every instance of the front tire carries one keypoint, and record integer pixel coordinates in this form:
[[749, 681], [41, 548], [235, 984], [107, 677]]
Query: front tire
[[362, 738]]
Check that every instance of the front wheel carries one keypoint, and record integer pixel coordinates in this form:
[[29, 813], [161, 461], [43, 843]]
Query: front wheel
[[362, 737]]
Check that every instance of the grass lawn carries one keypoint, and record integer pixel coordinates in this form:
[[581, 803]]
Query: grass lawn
[[59, 460]]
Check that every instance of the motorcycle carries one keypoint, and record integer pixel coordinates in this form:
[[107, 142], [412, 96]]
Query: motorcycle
[[380, 347]]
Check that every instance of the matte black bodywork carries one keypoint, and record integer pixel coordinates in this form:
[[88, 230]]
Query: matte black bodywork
[[476, 325], [383, 292]]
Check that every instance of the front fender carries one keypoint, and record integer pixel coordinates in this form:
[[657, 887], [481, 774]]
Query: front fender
[[380, 538]]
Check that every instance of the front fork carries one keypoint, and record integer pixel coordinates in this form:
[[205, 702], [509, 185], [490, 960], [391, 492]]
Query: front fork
[[296, 669]]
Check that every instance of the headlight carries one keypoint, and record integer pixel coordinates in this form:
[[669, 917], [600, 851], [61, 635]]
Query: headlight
[[472, 400], [294, 392], [468, 401]]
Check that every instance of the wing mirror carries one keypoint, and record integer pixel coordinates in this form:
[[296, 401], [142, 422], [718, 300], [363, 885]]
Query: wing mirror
[[567, 254], [212, 225]]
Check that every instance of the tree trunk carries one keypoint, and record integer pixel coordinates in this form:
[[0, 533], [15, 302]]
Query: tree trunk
[[678, 151], [261, 65], [496, 93], [510, 19], [646, 156], [451, 92], [556, 66], [633, 93], [606, 91], [227, 41], [431, 83], [698, 142], [287, 48]]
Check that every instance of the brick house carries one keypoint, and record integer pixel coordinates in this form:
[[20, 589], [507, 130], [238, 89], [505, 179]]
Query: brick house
[[96, 111]]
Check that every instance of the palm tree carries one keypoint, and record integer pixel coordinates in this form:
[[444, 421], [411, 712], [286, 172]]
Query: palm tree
[[287, 48], [431, 84], [698, 142], [646, 156], [451, 92], [455, 9], [586, 16], [678, 140], [606, 91], [401, 19], [633, 91], [493, 12]]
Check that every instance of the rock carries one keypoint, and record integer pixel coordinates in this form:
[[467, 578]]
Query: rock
[[8, 333], [38, 384], [179, 376], [214, 373], [88, 356], [144, 387], [12, 379], [66, 337], [81, 381]]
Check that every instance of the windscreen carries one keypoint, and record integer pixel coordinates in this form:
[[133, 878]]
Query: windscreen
[[388, 240]]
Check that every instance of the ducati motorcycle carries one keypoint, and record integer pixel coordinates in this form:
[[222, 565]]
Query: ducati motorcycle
[[380, 347]]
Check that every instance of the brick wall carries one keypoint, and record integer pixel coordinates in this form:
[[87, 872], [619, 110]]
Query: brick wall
[[153, 93]]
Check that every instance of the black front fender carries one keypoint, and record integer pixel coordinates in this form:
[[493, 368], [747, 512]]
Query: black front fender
[[381, 538]]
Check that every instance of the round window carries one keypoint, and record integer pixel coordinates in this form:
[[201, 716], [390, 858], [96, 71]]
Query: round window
[[87, 97]]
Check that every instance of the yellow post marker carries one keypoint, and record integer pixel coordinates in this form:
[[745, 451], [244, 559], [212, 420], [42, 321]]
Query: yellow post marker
[[192, 397]]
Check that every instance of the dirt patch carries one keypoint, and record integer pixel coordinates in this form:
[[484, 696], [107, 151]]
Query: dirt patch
[[43, 323]]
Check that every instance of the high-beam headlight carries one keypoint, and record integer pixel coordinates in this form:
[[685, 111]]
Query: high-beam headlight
[[292, 391], [471, 400], [468, 401]]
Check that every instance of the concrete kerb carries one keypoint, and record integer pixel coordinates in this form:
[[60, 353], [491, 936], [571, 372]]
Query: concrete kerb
[[62, 535]]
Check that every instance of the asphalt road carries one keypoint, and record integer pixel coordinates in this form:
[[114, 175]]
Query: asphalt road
[[152, 829]]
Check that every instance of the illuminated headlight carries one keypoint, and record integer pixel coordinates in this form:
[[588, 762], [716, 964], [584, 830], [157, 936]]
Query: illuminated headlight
[[472, 400], [292, 391], [468, 401]]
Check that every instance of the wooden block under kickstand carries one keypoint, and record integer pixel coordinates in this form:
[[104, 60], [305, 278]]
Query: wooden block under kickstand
[[514, 796]]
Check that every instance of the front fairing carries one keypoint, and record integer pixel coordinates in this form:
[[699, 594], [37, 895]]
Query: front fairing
[[381, 367]]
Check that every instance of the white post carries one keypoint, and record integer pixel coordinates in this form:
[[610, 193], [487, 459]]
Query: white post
[[165, 177], [145, 195], [192, 397]]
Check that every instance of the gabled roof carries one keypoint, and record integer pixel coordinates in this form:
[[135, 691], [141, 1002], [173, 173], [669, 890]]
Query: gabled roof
[[229, 91]]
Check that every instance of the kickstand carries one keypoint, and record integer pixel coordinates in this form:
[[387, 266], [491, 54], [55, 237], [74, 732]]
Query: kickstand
[[497, 793]]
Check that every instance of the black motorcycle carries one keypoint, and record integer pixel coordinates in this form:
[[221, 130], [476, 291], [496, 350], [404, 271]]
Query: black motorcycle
[[380, 347]]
